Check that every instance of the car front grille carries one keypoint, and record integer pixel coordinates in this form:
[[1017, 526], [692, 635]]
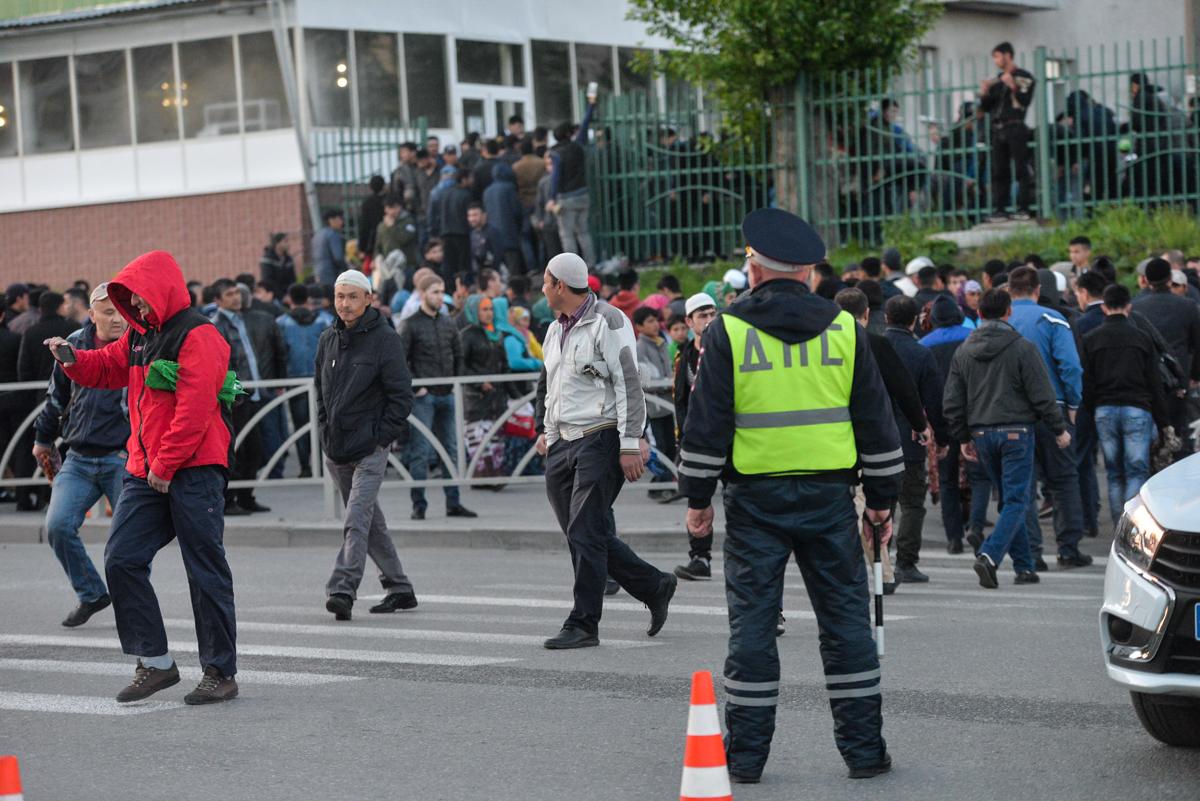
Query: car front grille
[[1184, 649], [1177, 560]]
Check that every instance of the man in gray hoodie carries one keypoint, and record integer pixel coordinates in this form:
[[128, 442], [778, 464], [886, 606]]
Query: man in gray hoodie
[[997, 391]]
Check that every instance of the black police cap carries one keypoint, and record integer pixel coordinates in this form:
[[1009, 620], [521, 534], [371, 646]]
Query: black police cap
[[782, 236]]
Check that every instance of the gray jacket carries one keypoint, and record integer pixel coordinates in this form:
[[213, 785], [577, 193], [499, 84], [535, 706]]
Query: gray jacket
[[654, 364], [997, 377]]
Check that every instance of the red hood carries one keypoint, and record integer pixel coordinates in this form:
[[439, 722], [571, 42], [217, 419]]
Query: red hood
[[158, 280]]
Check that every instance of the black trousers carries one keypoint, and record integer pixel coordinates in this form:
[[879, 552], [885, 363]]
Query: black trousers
[[144, 521], [583, 478], [1010, 143], [456, 256], [249, 456]]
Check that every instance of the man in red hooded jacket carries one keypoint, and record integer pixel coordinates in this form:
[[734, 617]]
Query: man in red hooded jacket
[[178, 460]]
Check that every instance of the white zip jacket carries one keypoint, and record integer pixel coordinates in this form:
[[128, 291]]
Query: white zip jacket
[[593, 382]]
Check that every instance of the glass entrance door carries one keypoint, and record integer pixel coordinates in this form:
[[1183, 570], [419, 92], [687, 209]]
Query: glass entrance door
[[486, 110]]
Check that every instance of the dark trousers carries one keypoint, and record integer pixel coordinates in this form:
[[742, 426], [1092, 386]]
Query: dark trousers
[[299, 407], [456, 258], [768, 522], [1060, 471], [1086, 444], [1010, 143], [249, 456], [583, 478], [1177, 411], [912, 515], [950, 493], [146, 520]]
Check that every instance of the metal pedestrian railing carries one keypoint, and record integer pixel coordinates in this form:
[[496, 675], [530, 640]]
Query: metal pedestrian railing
[[459, 466]]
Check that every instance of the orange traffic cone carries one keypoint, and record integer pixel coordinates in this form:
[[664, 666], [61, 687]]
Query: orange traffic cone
[[705, 774], [10, 779]]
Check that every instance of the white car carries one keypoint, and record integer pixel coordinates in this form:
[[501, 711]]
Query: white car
[[1150, 622]]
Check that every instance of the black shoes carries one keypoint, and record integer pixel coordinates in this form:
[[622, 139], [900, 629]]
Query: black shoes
[[571, 637], [212, 689], [418, 513], [1027, 578], [1074, 560], [658, 608], [233, 510], [392, 602], [460, 511], [340, 605], [871, 771], [742, 778], [254, 506], [975, 540], [985, 568], [954, 547], [1039, 564], [611, 586], [908, 574], [147, 681], [83, 613], [696, 570], [889, 587]]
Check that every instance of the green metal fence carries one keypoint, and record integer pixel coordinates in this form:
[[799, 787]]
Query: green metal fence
[[346, 158], [668, 180], [878, 147]]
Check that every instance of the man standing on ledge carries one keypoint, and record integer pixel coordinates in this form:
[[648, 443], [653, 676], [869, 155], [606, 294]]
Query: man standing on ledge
[[178, 468], [364, 397], [787, 407], [594, 415]]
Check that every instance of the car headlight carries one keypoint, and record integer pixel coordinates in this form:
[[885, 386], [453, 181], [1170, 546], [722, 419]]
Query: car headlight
[[1138, 534]]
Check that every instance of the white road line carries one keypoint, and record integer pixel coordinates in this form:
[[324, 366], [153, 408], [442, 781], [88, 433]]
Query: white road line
[[378, 632], [977, 593], [346, 655], [79, 704], [190, 673], [609, 606]]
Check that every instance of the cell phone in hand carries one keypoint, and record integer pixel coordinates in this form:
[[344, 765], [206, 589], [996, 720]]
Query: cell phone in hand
[[65, 353]]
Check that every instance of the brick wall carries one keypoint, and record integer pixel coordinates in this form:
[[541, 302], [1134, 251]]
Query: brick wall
[[210, 236]]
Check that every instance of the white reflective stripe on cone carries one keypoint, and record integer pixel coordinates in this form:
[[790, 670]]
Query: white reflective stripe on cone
[[702, 720], [705, 783]]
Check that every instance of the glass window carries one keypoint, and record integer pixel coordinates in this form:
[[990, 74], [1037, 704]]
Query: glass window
[[630, 79], [263, 99], [8, 112], [46, 106], [378, 76], [327, 65], [154, 94], [594, 63], [102, 97], [491, 63], [425, 77], [551, 82], [208, 88]]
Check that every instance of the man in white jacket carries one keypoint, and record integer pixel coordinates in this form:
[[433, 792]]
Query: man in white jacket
[[595, 413]]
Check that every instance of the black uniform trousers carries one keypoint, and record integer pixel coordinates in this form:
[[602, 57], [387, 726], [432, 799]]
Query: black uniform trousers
[[767, 522], [583, 478], [249, 456], [1010, 143], [144, 521]]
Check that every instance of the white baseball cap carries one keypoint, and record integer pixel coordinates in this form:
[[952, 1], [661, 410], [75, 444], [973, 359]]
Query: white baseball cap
[[354, 278], [700, 300], [915, 266], [1178, 277]]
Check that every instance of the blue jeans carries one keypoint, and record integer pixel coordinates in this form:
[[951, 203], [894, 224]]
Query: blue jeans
[[436, 412], [1006, 453], [1126, 434], [78, 485]]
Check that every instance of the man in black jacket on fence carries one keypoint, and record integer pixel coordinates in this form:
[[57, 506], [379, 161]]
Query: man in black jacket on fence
[[364, 396]]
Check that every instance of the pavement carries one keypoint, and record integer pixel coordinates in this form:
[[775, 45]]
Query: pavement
[[987, 694]]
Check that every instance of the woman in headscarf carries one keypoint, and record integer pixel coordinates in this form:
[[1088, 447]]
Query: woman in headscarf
[[483, 403], [968, 301]]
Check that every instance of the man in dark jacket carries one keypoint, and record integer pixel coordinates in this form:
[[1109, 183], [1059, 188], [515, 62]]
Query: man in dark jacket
[[1178, 320], [998, 389], [1123, 391], [178, 452], [94, 425], [918, 361], [433, 350], [503, 207], [364, 396], [1006, 98], [455, 231], [370, 214], [276, 266], [34, 362], [943, 342]]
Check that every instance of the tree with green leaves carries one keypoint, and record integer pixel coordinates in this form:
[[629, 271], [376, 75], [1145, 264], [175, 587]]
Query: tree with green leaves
[[750, 53]]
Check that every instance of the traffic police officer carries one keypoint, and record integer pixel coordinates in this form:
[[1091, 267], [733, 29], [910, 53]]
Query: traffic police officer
[[789, 407]]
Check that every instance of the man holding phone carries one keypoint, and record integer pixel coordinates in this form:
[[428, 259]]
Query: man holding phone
[[94, 425], [178, 468]]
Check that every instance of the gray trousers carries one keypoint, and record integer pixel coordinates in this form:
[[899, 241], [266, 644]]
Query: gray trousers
[[573, 226], [365, 532]]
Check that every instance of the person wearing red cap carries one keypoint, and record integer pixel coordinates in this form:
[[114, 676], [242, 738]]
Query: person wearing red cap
[[174, 363]]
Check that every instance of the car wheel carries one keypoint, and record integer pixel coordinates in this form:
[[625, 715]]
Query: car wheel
[[1171, 719]]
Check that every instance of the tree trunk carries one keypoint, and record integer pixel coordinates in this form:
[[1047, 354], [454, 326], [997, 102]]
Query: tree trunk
[[784, 117]]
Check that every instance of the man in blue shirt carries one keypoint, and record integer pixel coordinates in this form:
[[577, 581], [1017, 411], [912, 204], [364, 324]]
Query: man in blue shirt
[[329, 248], [301, 328], [1051, 333]]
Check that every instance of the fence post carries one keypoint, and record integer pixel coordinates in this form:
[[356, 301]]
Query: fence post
[[800, 123], [1041, 117]]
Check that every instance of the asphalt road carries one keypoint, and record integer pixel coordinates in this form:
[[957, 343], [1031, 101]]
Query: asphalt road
[[987, 694]]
